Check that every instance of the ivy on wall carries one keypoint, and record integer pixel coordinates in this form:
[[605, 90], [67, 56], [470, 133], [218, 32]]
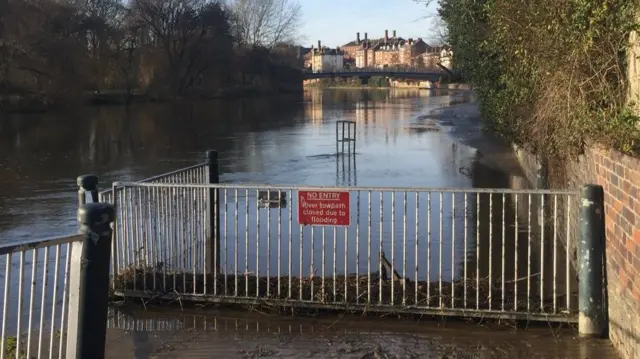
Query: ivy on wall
[[550, 75]]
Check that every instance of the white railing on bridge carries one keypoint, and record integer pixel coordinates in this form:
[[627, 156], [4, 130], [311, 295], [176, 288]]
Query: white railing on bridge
[[398, 69]]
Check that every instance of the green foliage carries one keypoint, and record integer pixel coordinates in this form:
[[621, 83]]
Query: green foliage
[[550, 74], [10, 347]]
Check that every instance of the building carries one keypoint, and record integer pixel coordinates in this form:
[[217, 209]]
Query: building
[[326, 59], [388, 51], [410, 51]]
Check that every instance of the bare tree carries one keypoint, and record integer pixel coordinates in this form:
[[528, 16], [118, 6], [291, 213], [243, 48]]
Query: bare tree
[[266, 23]]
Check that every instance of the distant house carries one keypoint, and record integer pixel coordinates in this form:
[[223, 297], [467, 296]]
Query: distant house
[[327, 60]]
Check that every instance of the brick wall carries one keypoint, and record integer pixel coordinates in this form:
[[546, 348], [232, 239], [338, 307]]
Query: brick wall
[[619, 175]]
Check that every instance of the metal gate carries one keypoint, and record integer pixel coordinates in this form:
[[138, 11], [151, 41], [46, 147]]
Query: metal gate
[[495, 253]]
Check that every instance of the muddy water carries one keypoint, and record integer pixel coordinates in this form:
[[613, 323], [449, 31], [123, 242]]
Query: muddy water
[[153, 334]]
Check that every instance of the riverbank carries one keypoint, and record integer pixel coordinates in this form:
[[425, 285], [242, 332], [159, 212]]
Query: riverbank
[[19, 104], [453, 86]]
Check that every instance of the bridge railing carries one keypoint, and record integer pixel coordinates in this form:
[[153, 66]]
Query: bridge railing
[[395, 69]]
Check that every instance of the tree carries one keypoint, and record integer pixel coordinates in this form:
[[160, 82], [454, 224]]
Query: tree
[[266, 23], [194, 36]]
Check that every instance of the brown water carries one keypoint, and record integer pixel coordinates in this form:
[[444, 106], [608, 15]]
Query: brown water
[[215, 334], [284, 141]]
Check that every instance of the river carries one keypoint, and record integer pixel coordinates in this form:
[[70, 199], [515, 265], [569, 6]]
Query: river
[[283, 141]]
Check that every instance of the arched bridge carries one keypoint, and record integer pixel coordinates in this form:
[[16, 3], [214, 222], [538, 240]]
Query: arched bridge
[[401, 72]]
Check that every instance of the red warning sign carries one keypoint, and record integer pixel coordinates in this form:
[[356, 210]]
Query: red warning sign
[[324, 208]]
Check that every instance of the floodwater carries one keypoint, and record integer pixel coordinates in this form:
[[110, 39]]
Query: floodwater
[[284, 141], [405, 138], [154, 334]]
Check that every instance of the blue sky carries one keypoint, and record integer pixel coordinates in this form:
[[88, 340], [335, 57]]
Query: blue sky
[[335, 22]]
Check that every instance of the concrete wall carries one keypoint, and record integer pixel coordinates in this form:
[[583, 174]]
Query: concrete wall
[[620, 177]]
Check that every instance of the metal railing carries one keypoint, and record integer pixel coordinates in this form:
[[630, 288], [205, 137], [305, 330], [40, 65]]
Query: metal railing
[[35, 281], [399, 69], [473, 252]]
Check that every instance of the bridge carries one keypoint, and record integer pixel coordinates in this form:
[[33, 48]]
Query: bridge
[[365, 73]]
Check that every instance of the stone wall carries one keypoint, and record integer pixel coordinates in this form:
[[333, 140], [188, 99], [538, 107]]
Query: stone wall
[[619, 175]]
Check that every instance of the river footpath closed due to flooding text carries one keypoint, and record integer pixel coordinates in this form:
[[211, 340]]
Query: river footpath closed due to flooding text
[[324, 208]]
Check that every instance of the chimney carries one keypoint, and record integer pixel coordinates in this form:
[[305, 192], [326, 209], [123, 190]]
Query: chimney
[[386, 36], [319, 45], [394, 34], [357, 37], [365, 36]]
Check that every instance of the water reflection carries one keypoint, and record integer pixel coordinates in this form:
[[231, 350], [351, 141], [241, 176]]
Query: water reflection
[[260, 140]]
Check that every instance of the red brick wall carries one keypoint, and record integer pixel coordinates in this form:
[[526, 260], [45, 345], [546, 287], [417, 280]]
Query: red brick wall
[[620, 177]]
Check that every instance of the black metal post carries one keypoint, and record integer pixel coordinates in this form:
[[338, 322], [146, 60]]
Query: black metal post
[[214, 213], [591, 320], [87, 183], [93, 297]]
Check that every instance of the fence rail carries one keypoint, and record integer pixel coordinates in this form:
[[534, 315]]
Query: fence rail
[[472, 252], [35, 281]]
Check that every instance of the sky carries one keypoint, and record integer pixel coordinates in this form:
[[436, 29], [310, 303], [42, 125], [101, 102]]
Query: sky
[[336, 22]]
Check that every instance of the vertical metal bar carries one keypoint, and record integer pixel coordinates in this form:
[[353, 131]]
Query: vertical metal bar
[[219, 270], [194, 236], [268, 244], [246, 244], [312, 262], [235, 238], [529, 256], [453, 248], [440, 229], [369, 248], [416, 278], [380, 249], [65, 300], [290, 242], [358, 250], [515, 255], [279, 243], [490, 250], [428, 249], [5, 306], [45, 282], [34, 266], [568, 254], [257, 245], [555, 252], [301, 232], [335, 283], [346, 261], [542, 244], [503, 277], [393, 244], [323, 263], [404, 251], [56, 272], [478, 250], [20, 293], [466, 245]]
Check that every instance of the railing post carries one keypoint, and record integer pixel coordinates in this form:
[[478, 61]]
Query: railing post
[[87, 183], [89, 283], [213, 242], [591, 320]]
